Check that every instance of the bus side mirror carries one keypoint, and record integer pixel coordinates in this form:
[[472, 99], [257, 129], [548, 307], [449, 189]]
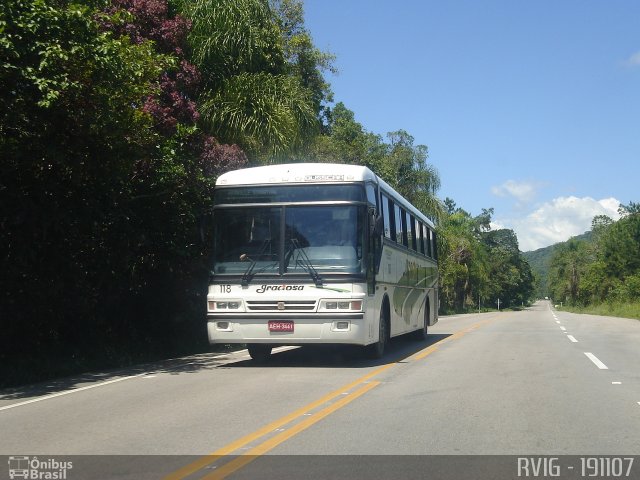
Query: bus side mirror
[[379, 226], [375, 224]]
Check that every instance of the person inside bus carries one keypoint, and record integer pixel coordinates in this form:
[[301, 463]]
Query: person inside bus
[[260, 238]]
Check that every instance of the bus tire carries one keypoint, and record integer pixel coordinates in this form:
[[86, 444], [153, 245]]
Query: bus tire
[[259, 352], [376, 350], [422, 333]]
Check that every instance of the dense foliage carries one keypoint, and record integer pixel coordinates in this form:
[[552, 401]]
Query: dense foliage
[[604, 268], [479, 266], [401, 163], [263, 87], [104, 175], [116, 117], [540, 261]]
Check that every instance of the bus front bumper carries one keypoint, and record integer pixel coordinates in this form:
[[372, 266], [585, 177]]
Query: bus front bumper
[[307, 329]]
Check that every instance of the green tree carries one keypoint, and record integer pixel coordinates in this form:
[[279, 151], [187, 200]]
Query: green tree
[[484, 219], [268, 115], [399, 162], [449, 206], [405, 167], [510, 275], [346, 141], [462, 262], [480, 264], [71, 133], [605, 268], [103, 180], [303, 59], [252, 95], [633, 208], [620, 247], [568, 267]]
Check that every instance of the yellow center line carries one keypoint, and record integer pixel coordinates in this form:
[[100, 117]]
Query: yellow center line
[[426, 352], [271, 443], [433, 348], [271, 427], [241, 442]]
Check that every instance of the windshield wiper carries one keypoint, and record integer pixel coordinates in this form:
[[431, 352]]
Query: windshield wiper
[[303, 260], [248, 273]]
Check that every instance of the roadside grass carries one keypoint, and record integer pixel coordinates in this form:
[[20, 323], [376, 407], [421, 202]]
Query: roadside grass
[[624, 310]]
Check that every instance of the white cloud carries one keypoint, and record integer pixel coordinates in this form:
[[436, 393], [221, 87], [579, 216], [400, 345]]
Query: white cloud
[[558, 220], [633, 60], [523, 192]]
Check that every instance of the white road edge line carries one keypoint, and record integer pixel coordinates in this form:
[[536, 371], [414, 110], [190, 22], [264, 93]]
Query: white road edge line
[[595, 360], [108, 382], [572, 338], [67, 392], [563, 329]]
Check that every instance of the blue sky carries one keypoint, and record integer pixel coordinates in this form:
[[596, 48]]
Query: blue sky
[[530, 107]]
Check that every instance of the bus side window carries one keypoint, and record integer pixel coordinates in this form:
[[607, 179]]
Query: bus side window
[[403, 225], [411, 231], [397, 215], [419, 236], [427, 240], [434, 245], [393, 219], [386, 216]]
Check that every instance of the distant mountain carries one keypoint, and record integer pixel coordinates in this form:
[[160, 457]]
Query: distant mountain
[[539, 261]]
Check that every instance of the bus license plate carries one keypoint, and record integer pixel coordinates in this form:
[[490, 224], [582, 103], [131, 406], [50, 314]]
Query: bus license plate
[[280, 326]]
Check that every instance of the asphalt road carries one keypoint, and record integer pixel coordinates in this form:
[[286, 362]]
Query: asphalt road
[[531, 383]]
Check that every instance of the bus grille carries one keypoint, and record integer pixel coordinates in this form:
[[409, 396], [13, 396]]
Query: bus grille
[[288, 305]]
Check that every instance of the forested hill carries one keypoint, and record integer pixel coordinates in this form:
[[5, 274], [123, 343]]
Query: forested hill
[[603, 270], [539, 261], [598, 271]]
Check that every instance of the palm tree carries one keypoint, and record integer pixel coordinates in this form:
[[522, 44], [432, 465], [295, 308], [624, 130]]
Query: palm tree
[[265, 113], [248, 97]]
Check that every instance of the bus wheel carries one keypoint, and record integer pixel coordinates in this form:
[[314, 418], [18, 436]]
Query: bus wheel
[[422, 333], [259, 352], [376, 350]]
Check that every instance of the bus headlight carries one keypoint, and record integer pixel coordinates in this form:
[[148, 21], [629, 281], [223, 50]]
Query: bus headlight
[[340, 306], [214, 305]]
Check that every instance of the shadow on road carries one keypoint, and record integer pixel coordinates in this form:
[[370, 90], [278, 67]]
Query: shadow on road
[[342, 356], [320, 356], [173, 366]]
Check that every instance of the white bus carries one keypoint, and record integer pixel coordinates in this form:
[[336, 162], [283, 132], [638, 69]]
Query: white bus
[[318, 254]]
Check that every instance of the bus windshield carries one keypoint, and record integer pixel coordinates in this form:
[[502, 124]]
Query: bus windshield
[[244, 235], [330, 236], [324, 238]]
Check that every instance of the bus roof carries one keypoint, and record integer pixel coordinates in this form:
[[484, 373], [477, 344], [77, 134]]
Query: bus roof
[[308, 173], [297, 173]]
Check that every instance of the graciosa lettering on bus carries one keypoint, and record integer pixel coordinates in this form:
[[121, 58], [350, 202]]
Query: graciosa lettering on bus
[[318, 253], [279, 288]]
